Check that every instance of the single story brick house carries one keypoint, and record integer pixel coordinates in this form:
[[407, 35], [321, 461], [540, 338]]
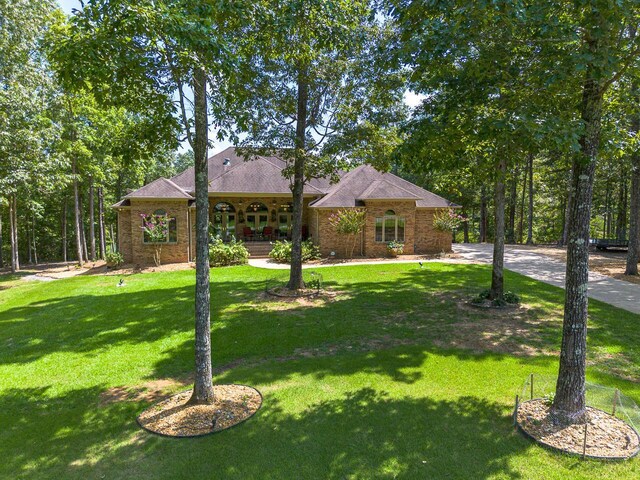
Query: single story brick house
[[251, 200]]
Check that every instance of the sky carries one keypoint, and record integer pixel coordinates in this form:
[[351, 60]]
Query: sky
[[410, 98]]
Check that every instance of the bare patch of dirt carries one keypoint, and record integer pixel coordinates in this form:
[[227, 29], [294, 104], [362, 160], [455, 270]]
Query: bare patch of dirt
[[606, 436], [611, 263], [175, 417], [148, 392], [515, 331], [281, 303]]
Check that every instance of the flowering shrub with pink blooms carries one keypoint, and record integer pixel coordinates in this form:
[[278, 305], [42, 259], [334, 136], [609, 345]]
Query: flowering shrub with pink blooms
[[448, 220], [156, 231], [348, 222]]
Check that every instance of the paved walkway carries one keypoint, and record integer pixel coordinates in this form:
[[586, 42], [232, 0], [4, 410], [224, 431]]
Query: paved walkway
[[549, 270], [267, 263]]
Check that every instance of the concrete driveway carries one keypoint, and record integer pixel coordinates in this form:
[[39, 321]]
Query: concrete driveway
[[549, 270]]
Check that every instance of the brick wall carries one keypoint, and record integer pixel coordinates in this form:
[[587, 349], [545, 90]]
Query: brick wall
[[328, 239], [427, 238], [377, 208], [124, 234], [419, 236], [171, 252]]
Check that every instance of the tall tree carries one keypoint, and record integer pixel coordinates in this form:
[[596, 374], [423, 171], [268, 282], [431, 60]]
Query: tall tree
[[604, 49], [145, 54], [317, 91], [24, 95]]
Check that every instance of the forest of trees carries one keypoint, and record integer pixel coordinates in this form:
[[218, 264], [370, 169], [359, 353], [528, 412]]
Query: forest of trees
[[113, 150], [529, 119]]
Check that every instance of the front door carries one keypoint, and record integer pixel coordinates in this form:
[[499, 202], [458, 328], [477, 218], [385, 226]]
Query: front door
[[284, 224], [257, 221], [224, 224]]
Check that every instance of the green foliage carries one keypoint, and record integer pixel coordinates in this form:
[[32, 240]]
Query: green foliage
[[448, 220], [114, 259], [281, 251], [349, 222], [511, 298], [395, 248], [224, 254]]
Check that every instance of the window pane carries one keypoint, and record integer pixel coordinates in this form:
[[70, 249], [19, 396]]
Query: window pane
[[231, 224], [389, 229], [400, 230], [173, 230], [263, 222], [378, 229]]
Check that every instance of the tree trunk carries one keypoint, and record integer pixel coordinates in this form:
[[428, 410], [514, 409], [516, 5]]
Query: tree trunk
[[569, 405], [530, 217], [64, 230], [33, 238], [295, 274], [633, 254], [465, 231], [522, 203], [13, 227], [101, 232], [513, 205], [76, 208], [203, 385], [1, 242], [497, 274], [92, 230], [483, 215], [621, 217], [82, 232], [567, 212]]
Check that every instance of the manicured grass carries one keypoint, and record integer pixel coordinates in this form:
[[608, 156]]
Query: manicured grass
[[394, 378]]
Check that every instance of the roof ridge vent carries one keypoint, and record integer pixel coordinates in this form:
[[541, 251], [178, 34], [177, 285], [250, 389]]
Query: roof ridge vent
[[226, 162]]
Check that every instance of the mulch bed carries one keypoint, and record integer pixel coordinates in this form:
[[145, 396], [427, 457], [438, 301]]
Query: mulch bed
[[608, 437], [173, 417], [285, 292]]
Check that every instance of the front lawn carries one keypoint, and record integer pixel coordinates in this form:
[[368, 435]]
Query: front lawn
[[393, 377]]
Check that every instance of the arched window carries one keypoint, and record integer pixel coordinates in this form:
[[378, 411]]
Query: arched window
[[390, 227], [171, 231]]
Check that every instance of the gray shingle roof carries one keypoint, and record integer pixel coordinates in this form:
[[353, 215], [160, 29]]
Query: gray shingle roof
[[230, 173], [261, 175], [160, 188], [367, 183]]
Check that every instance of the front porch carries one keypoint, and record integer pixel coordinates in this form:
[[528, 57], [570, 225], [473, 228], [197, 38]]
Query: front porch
[[254, 220]]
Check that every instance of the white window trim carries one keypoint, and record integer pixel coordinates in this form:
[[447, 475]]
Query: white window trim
[[395, 218]]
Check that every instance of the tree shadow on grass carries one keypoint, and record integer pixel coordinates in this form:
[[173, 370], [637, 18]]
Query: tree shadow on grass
[[363, 434]]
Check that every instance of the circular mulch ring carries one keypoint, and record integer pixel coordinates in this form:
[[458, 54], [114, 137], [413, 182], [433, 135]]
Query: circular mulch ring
[[488, 305], [608, 437], [284, 292], [173, 417]]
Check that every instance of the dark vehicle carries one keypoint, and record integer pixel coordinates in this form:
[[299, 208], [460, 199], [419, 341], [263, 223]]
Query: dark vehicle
[[604, 244]]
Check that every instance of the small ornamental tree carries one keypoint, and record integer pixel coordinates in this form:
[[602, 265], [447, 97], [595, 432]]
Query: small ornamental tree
[[349, 223], [156, 230], [448, 220]]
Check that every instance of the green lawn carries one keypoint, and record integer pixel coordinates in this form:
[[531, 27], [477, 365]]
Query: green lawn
[[393, 378]]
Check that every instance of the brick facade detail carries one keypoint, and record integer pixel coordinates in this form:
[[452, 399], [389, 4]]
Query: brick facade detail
[[420, 236]]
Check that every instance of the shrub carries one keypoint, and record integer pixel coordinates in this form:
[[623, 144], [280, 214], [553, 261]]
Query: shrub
[[448, 220], [114, 259], [395, 248], [223, 254], [281, 251], [511, 297], [349, 223]]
